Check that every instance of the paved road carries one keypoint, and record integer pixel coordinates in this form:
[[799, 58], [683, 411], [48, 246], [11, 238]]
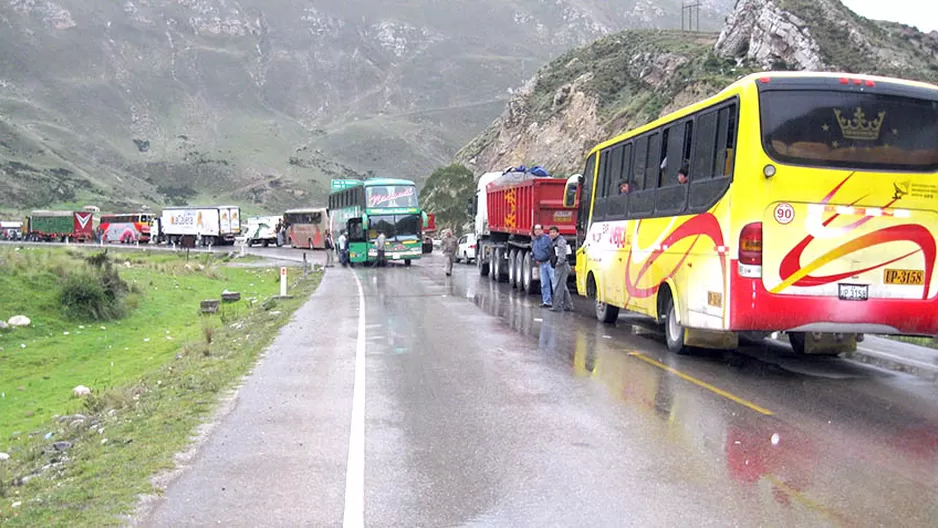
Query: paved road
[[459, 402]]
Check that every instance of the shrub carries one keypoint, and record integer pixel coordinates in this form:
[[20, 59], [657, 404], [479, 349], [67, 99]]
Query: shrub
[[96, 293], [83, 296]]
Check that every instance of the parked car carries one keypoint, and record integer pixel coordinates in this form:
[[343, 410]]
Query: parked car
[[466, 251]]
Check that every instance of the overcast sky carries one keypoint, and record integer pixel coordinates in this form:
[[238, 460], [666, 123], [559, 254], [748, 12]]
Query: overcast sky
[[922, 14]]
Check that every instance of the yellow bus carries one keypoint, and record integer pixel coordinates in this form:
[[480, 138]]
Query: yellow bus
[[796, 202]]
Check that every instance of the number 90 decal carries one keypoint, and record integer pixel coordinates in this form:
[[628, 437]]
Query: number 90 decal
[[784, 213]]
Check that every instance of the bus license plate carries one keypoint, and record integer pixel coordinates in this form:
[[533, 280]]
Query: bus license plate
[[904, 276], [396, 256], [853, 292]]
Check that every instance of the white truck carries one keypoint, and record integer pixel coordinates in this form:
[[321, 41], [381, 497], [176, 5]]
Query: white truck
[[206, 226], [261, 230]]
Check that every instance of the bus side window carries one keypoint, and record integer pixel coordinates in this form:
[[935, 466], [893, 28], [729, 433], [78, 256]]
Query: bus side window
[[615, 201], [599, 203], [586, 200], [638, 162], [654, 161], [726, 140]]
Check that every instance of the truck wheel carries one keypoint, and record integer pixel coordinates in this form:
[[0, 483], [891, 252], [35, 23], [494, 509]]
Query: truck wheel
[[498, 265], [527, 276], [673, 331], [512, 270], [516, 265], [481, 264], [265, 243]]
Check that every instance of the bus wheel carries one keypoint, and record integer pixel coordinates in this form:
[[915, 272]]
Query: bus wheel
[[606, 313], [673, 331], [408, 262], [265, 243], [310, 241]]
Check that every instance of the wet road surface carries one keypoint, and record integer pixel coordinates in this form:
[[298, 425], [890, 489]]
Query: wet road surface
[[479, 408]]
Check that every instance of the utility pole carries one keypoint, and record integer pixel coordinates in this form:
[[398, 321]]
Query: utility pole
[[690, 9]]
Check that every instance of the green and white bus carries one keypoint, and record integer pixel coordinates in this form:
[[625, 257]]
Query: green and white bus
[[365, 208]]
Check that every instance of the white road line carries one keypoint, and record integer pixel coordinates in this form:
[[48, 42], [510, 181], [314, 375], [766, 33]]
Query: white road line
[[355, 468]]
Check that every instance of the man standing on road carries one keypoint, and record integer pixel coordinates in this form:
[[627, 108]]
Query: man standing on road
[[449, 250], [562, 298], [379, 244], [541, 250], [343, 249], [330, 250]]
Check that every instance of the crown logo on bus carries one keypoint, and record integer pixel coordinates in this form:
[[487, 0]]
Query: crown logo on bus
[[859, 127]]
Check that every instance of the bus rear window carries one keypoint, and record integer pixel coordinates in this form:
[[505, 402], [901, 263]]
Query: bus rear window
[[864, 131]]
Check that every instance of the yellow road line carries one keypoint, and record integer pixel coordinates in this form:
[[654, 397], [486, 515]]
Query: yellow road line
[[807, 502], [704, 384]]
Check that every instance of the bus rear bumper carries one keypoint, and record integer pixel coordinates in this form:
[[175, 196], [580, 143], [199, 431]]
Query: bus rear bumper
[[753, 308]]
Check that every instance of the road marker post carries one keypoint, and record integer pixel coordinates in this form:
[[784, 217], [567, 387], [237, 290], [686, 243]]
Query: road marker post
[[283, 281]]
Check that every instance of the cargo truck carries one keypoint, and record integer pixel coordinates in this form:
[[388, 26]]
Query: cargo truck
[[59, 226], [206, 226], [506, 207], [262, 230]]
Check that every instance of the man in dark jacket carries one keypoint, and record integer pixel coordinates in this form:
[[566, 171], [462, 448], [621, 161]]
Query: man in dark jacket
[[562, 298], [541, 251]]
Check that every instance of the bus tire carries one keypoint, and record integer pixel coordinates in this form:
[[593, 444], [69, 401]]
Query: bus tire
[[408, 262], [673, 331], [310, 243], [606, 313]]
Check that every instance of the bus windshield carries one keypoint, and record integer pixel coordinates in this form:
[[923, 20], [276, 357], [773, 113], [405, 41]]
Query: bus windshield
[[392, 196], [865, 131], [401, 227]]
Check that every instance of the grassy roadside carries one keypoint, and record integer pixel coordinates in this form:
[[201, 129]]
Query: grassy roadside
[[155, 375]]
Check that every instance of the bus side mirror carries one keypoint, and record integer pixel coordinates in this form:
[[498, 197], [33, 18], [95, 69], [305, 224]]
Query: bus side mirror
[[569, 194], [471, 206]]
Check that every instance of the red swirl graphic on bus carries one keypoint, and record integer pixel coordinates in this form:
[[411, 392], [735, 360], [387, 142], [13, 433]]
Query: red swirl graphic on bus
[[703, 225], [793, 273]]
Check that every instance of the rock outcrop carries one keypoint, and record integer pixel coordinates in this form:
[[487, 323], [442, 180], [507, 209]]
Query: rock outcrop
[[627, 79], [760, 32]]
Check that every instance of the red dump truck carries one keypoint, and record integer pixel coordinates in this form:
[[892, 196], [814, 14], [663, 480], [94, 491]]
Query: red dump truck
[[507, 206], [59, 226]]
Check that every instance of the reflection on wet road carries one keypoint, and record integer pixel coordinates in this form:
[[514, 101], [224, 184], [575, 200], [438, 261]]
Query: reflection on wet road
[[483, 409], [485, 388]]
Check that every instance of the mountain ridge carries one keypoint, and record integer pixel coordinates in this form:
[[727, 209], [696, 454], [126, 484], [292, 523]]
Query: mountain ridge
[[264, 102], [630, 78]]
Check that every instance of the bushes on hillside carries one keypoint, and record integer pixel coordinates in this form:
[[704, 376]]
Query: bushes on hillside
[[94, 292]]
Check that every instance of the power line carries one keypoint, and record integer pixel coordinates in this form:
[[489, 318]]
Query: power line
[[690, 10]]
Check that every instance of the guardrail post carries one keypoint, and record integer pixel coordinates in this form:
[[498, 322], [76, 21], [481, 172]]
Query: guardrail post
[[305, 268]]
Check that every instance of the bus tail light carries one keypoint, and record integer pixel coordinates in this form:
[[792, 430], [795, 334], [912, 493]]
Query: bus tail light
[[750, 250]]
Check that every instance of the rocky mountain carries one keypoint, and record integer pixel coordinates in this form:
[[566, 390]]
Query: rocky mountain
[[627, 79], [128, 102]]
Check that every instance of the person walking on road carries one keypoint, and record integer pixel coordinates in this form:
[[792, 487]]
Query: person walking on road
[[541, 251], [343, 249], [330, 250], [379, 244], [561, 249], [449, 250]]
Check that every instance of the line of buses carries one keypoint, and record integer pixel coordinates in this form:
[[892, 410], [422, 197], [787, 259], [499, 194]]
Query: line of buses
[[795, 202]]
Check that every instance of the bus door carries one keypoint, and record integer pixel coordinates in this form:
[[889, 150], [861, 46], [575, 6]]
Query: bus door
[[357, 241]]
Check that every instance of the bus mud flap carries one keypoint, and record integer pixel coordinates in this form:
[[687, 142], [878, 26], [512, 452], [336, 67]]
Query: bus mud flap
[[717, 339]]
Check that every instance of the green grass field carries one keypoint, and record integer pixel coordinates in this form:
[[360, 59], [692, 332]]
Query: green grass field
[[154, 375]]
